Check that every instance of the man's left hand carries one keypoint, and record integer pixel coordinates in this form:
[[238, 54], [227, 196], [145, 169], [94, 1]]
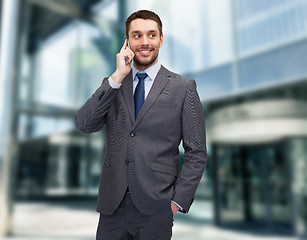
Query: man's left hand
[[175, 208]]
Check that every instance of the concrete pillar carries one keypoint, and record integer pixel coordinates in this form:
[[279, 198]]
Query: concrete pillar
[[62, 172], [8, 117]]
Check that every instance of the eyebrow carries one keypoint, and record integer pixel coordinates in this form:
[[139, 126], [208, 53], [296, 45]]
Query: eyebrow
[[150, 31]]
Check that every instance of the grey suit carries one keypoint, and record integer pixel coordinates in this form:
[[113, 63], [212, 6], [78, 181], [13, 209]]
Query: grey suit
[[143, 153]]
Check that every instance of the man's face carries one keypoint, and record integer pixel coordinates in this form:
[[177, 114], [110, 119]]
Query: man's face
[[145, 41]]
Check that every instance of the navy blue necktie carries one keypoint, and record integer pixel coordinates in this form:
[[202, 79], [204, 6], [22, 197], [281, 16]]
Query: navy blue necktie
[[139, 93]]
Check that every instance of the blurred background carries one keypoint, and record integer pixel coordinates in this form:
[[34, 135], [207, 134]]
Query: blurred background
[[248, 58]]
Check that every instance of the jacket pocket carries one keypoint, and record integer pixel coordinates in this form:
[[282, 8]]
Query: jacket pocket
[[164, 168], [162, 105]]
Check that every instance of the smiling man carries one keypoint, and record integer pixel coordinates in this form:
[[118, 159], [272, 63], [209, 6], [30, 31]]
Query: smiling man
[[146, 48], [147, 111]]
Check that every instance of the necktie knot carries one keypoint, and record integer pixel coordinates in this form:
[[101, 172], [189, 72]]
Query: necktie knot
[[141, 76]]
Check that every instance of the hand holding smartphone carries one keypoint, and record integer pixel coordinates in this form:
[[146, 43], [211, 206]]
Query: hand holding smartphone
[[123, 60]]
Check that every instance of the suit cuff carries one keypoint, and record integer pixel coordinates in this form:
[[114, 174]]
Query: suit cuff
[[114, 85], [177, 205]]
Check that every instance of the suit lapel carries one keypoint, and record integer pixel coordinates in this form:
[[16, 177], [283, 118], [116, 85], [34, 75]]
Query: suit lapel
[[159, 83], [127, 88]]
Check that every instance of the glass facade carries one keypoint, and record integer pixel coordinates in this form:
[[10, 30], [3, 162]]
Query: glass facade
[[263, 24], [57, 78], [228, 47], [214, 82], [69, 66], [279, 65], [266, 42], [67, 69]]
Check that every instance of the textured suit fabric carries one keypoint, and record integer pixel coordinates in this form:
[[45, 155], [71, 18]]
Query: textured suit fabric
[[127, 223], [143, 153]]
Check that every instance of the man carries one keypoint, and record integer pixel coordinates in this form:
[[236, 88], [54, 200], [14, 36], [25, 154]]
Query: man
[[147, 111]]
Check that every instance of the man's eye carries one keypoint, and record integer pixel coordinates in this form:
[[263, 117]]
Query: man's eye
[[136, 36], [152, 35]]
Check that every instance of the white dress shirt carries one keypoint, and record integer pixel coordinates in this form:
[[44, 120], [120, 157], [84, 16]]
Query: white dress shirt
[[149, 80]]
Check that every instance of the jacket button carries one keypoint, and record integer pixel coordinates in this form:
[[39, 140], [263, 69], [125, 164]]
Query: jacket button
[[127, 161], [132, 134]]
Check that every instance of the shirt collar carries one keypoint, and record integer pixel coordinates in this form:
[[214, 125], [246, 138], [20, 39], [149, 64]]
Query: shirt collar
[[151, 71]]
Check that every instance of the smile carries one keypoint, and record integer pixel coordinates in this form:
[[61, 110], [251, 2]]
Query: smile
[[145, 53]]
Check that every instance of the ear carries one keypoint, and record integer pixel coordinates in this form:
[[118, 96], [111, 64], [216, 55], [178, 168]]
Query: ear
[[161, 40]]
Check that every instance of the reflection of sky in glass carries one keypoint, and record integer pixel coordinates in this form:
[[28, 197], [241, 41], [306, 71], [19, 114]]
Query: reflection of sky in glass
[[106, 13], [53, 73], [197, 33], [265, 24], [70, 67], [219, 32], [214, 82], [108, 10], [47, 126]]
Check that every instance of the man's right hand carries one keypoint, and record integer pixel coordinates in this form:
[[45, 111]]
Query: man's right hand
[[123, 60]]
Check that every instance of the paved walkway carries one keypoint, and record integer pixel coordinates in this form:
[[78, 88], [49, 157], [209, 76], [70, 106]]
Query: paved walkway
[[77, 220]]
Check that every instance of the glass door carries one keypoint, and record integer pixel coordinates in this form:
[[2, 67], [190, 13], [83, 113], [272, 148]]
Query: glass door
[[229, 180], [253, 184]]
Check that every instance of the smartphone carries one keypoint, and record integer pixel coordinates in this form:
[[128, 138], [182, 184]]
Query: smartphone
[[128, 46], [128, 43]]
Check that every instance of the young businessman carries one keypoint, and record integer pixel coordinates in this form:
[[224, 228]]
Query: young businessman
[[147, 111]]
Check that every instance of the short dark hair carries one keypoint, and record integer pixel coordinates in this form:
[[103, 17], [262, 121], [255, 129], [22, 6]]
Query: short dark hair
[[144, 14]]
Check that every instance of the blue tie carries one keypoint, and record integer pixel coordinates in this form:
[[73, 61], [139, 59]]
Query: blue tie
[[139, 93]]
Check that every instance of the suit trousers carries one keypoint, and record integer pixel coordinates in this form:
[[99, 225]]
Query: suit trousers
[[127, 222]]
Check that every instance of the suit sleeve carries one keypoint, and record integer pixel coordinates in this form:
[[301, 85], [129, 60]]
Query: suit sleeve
[[91, 116], [195, 153]]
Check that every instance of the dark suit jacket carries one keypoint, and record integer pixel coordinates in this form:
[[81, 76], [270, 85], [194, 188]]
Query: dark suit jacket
[[143, 153]]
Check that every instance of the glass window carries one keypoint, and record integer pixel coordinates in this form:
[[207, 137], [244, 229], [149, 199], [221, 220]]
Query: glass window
[[197, 34], [71, 65], [96, 60], [285, 21], [284, 64], [46, 126], [214, 82], [54, 67]]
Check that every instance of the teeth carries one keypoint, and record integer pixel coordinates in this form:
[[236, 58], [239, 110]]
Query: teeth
[[144, 51]]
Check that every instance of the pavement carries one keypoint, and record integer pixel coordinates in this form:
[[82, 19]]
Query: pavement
[[77, 220]]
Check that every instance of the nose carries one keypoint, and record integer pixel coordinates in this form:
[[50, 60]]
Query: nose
[[145, 40]]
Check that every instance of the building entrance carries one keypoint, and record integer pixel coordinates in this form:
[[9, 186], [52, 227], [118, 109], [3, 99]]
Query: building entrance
[[252, 185]]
